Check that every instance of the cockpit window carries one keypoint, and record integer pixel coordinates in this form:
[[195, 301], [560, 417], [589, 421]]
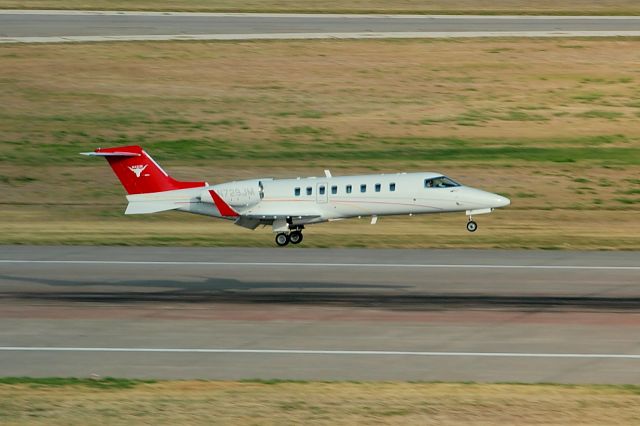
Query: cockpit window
[[440, 182]]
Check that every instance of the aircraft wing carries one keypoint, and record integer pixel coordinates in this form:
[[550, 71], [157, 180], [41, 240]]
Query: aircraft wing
[[277, 220], [281, 216]]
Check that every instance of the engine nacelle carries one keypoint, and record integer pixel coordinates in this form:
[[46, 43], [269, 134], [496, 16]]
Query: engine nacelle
[[238, 194]]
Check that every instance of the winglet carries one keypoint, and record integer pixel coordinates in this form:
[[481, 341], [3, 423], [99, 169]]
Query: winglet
[[225, 209]]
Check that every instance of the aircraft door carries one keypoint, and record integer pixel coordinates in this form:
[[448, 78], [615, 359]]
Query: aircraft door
[[322, 193]]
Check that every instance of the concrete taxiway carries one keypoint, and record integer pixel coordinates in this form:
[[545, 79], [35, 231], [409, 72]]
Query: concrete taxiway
[[338, 314], [61, 26]]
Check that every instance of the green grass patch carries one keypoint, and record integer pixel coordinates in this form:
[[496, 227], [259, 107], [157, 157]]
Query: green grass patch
[[526, 195], [634, 191], [588, 97], [363, 148], [625, 200], [101, 383], [303, 130], [279, 381], [517, 115], [594, 113]]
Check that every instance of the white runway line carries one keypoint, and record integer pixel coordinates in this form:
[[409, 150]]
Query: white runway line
[[319, 352], [315, 36], [323, 265], [300, 15]]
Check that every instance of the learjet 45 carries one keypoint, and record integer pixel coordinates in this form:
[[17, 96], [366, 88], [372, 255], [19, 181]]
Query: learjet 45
[[288, 205]]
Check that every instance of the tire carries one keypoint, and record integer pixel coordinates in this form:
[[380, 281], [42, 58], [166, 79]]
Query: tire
[[472, 226], [295, 237], [282, 239]]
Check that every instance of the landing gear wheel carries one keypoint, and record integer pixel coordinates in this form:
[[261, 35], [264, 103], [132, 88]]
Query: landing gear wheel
[[295, 237], [282, 239], [472, 226]]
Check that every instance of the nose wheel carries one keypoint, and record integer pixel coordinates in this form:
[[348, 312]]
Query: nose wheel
[[471, 225]]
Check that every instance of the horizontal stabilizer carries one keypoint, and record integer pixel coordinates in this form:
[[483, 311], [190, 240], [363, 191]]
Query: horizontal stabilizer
[[143, 207], [111, 154]]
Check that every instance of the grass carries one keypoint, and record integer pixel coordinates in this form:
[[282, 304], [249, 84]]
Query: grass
[[293, 402], [608, 115], [518, 116], [57, 382], [518, 7], [583, 228]]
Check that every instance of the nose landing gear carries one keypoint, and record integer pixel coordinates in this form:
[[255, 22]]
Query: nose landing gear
[[471, 225]]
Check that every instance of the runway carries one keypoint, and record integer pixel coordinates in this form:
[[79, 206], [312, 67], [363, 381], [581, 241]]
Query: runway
[[327, 314], [63, 26]]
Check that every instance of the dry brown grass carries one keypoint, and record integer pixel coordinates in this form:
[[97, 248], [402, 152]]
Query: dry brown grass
[[564, 114], [190, 402], [576, 7], [252, 93]]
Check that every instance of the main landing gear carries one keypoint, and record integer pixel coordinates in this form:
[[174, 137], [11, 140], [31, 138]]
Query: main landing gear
[[293, 237], [471, 225]]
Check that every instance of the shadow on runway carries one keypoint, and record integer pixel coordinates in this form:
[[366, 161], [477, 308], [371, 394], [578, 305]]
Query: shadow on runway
[[391, 297]]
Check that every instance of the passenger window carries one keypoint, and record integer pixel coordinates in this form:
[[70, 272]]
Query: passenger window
[[392, 187], [297, 192], [363, 188], [334, 189], [348, 189], [321, 190], [378, 187], [309, 190]]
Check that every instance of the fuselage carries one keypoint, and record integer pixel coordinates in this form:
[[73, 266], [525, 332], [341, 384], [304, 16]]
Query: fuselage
[[328, 198]]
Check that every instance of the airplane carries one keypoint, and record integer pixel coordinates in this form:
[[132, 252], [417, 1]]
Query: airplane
[[288, 205]]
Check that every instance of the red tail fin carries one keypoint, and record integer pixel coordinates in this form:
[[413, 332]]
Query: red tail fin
[[138, 172]]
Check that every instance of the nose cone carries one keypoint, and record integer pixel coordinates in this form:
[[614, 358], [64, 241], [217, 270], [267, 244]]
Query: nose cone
[[500, 201], [478, 199]]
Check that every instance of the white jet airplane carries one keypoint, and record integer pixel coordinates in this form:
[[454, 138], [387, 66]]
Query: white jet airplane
[[290, 204]]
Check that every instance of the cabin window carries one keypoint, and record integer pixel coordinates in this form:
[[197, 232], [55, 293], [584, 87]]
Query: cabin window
[[309, 190], [334, 189], [363, 188], [348, 189], [296, 192], [378, 187], [321, 190], [392, 187]]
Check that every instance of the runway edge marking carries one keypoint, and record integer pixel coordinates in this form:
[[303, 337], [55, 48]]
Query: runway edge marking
[[317, 36], [319, 352], [312, 264]]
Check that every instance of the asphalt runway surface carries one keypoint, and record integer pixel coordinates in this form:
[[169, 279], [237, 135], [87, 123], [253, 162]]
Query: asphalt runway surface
[[327, 314], [94, 26]]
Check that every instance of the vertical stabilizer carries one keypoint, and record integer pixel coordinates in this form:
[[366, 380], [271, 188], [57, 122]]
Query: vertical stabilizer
[[138, 172]]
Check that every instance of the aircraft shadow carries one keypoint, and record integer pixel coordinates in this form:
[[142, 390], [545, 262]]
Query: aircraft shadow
[[391, 297]]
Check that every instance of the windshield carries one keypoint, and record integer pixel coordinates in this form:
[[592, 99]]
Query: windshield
[[440, 182]]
